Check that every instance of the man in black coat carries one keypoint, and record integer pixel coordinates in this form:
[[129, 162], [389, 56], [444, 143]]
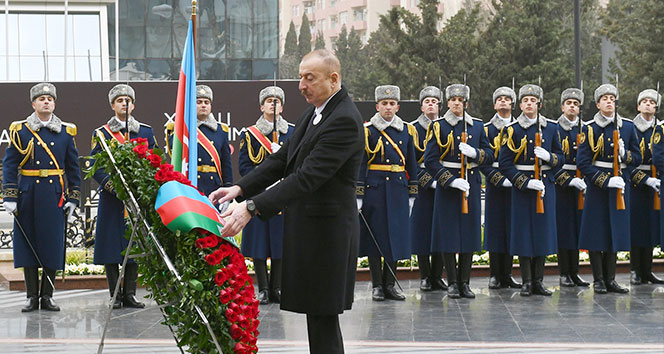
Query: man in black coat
[[319, 165]]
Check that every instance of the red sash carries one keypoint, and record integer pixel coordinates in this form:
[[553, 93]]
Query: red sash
[[209, 147], [117, 135], [261, 138]]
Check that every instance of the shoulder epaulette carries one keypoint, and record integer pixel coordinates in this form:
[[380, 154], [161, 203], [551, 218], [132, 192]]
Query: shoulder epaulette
[[552, 121], [511, 124], [367, 124], [170, 126], [487, 124], [291, 124], [71, 128], [477, 119], [412, 130], [224, 127], [16, 126], [145, 125]]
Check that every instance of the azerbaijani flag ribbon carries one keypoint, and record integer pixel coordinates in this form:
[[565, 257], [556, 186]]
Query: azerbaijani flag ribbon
[[185, 143], [182, 208]]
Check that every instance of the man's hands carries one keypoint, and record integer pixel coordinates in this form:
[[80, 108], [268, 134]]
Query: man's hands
[[653, 183], [507, 183], [411, 202], [224, 194], [460, 184], [275, 147], [578, 183], [542, 154], [468, 150], [236, 218], [69, 210], [616, 182], [536, 185], [359, 204], [10, 207]]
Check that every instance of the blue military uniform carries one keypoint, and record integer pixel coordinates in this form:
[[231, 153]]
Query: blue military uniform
[[658, 163], [604, 229], [210, 177], [532, 235]]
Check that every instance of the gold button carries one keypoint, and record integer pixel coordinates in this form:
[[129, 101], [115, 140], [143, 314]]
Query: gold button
[[387, 160], [530, 141], [543, 140], [399, 178], [400, 142], [211, 177], [52, 143], [281, 143], [470, 136], [50, 181], [37, 181], [199, 176], [471, 172], [387, 178], [38, 162], [458, 137], [199, 159], [50, 162]]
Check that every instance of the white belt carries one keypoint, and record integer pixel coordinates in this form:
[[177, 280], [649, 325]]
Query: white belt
[[569, 167], [602, 164], [531, 167], [495, 165], [449, 164]]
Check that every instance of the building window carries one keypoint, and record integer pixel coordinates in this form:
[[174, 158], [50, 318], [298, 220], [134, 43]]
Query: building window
[[333, 3], [343, 18], [333, 21], [296, 11], [359, 14], [320, 4], [308, 7]]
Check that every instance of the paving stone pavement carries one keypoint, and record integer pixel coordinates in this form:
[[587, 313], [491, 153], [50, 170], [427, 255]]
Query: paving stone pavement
[[497, 321]]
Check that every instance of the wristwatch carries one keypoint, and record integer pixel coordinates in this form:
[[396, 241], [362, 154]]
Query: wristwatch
[[251, 207]]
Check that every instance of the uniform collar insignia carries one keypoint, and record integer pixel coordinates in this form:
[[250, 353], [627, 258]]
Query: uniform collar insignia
[[265, 126], [116, 125], [641, 124], [208, 122], [454, 120], [564, 123], [603, 122], [525, 122], [54, 125], [424, 121], [499, 122], [381, 124]]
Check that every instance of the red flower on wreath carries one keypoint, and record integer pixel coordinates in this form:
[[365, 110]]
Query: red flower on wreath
[[140, 141], [141, 150], [155, 160]]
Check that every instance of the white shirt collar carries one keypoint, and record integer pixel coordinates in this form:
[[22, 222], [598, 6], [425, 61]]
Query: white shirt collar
[[45, 122], [607, 118], [319, 110], [123, 123]]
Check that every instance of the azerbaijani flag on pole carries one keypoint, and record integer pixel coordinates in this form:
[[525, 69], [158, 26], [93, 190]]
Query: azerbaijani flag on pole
[[182, 208], [185, 142]]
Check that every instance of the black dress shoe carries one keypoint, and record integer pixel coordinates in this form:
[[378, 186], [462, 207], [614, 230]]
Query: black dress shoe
[[566, 281], [48, 304], [31, 304], [526, 289], [453, 291], [117, 304], [540, 289], [263, 297], [393, 294], [654, 279], [438, 284], [494, 283], [132, 301], [635, 278], [614, 287], [599, 287], [578, 280], [275, 295], [425, 284], [466, 291], [377, 293], [510, 282]]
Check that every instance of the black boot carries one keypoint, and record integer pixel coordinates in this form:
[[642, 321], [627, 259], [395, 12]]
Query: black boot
[[495, 270], [635, 266], [538, 276], [437, 281], [526, 276], [390, 291], [275, 281], [596, 263], [375, 269], [31, 276], [112, 276], [574, 269], [646, 265], [425, 271], [465, 266], [46, 294], [564, 268], [507, 280], [260, 268], [610, 274], [450, 267], [129, 294]]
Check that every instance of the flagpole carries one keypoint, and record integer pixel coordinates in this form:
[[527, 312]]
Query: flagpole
[[193, 20]]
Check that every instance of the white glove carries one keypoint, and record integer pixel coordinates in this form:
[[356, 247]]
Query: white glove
[[468, 150], [69, 209], [507, 183], [621, 148], [411, 202], [535, 184], [275, 147], [653, 183], [9, 206], [542, 154], [359, 204], [616, 182], [578, 183], [433, 184], [224, 206], [460, 184]]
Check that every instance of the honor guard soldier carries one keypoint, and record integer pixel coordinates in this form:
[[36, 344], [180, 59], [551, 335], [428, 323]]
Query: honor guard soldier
[[110, 239], [569, 190], [41, 186], [498, 196], [605, 220], [530, 157], [215, 168], [644, 215], [386, 191], [658, 164], [452, 141], [431, 271], [263, 238]]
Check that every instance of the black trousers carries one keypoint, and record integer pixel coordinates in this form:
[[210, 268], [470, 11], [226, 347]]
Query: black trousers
[[324, 334]]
